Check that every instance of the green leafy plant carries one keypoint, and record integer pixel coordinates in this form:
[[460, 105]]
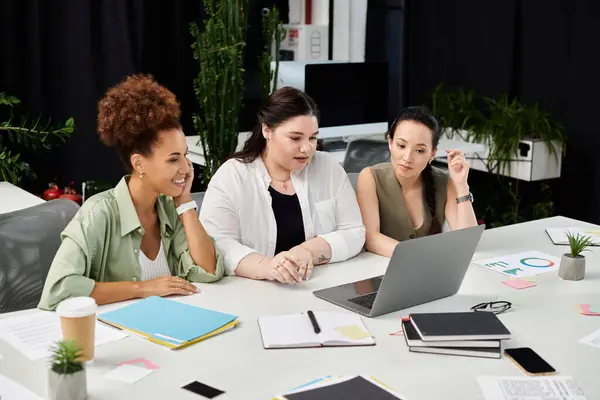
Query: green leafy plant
[[499, 123], [578, 243], [273, 33], [65, 354], [219, 86], [29, 133]]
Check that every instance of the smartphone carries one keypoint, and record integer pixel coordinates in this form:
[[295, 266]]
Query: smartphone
[[529, 361], [202, 389]]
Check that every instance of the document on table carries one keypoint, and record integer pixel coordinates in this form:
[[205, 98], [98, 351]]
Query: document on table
[[593, 339], [533, 388], [35, 334], [11, 390]]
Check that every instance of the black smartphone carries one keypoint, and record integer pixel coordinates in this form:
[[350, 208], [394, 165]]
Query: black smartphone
[[529, 361], [202, 389]]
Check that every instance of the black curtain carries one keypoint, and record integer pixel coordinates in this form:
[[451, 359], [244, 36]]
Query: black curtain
[[60, 57], [538, 50]]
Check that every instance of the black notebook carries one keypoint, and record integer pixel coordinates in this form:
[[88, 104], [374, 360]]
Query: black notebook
[[474, 325], [485, 352], [357, 388], [414, 340]]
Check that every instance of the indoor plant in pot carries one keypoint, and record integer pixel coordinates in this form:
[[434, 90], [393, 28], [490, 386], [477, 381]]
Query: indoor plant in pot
[[572, 265], [67, 376]]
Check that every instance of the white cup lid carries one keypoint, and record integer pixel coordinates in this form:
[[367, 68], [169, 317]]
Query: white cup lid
[[76, 307]]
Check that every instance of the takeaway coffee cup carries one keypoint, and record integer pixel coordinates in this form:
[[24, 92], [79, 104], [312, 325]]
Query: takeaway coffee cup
[[78, 322]]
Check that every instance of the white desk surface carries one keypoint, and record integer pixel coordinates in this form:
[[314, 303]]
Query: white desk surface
[[237, 363], [14, 198]]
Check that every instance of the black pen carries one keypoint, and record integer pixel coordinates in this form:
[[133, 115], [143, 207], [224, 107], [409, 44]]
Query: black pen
[[314, 322]]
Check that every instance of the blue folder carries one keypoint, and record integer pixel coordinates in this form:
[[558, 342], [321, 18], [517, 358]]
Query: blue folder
[[169, 322]]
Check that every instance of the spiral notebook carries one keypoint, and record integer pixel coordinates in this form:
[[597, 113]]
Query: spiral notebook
[[298, 331]]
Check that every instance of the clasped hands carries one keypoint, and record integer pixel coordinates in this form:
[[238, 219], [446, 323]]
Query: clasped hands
[[290, 267]]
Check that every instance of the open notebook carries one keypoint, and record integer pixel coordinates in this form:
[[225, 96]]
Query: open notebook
[[559, 235], [296, 330]]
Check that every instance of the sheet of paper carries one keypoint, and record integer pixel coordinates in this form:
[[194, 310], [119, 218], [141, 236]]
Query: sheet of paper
[[593, 339], [519, 283], [559, 235], [128, 373], [35, 334], [523, 264], [140, 362], [530, 388], [352, 332], [11, 390]]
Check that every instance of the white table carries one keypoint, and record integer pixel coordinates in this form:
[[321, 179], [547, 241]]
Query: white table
[[14, 198], [236, 362]]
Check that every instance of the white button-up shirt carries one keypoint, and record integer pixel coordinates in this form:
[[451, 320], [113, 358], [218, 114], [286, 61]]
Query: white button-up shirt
[[236, 210]]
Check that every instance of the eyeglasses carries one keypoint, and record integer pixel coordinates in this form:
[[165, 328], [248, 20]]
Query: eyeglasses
[[496, 307]]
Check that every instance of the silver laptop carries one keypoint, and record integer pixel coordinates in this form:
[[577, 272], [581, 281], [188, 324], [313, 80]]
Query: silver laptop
[[420, 270]]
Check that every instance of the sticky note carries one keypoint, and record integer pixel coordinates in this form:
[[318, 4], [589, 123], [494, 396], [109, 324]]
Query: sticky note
[[519, 283], [127, 373], [595, 308], [141, 362], [352, 332], [585, 310]]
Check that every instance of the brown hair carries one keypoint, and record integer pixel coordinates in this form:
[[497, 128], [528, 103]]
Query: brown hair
[[282, 105], [132, 113]]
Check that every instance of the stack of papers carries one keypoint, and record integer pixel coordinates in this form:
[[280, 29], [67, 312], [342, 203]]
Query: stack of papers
[[169, 323], [534, 388], [342, 387], [34, 334]]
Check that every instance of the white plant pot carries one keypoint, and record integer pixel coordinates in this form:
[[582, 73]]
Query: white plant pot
[[572, 268], [67, 387]]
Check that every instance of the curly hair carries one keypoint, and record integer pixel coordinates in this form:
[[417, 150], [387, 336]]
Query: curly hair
[[132, 113]]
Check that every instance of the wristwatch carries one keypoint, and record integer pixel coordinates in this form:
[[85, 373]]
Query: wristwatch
[[468, 197], [186, 207]]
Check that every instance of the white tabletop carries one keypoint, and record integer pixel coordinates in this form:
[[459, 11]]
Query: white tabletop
[[14, 198], [544, 319]]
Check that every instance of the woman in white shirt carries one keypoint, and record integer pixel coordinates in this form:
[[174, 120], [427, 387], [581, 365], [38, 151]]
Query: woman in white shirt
[[278, 207]]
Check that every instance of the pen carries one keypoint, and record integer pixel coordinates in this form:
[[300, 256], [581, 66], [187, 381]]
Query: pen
[[314, 322]]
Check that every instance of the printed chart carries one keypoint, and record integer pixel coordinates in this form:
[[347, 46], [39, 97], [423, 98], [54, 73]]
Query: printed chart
[[523, 264]]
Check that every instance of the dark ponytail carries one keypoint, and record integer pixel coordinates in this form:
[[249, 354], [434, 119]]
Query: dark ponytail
[[282, 105], [423, 116]]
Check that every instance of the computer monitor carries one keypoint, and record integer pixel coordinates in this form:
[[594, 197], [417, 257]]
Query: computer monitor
[[348, 93]]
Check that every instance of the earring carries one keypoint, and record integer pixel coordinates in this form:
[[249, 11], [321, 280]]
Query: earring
[[141, 175]]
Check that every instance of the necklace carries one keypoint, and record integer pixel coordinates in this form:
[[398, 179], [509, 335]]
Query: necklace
[[283, 182]]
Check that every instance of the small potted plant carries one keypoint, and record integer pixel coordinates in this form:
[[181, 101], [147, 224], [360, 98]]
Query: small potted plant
[[572, 265], [67, 376]]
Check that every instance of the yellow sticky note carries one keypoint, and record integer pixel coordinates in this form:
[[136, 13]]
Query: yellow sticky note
[[524, 278], [352, 332]]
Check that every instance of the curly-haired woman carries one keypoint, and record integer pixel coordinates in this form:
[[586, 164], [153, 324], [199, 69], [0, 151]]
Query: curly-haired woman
[[142, 238]]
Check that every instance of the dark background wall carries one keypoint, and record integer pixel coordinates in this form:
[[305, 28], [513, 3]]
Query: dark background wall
[[538, 50], [60, 57]]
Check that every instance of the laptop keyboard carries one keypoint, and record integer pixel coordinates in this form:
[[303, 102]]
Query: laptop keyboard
[[366, 300]]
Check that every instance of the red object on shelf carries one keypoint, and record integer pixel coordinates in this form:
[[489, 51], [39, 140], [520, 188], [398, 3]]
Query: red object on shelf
[[308, 12], [71, 194], [53, 192]]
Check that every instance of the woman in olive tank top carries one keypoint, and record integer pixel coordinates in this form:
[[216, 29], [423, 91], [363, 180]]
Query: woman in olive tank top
[[408, 197]]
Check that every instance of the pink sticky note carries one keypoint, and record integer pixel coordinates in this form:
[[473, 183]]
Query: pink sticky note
[[585, 310], [141, 362], [595, 308], [519, 284]]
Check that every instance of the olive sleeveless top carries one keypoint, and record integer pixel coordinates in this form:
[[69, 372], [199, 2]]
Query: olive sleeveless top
[[393, 215]]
